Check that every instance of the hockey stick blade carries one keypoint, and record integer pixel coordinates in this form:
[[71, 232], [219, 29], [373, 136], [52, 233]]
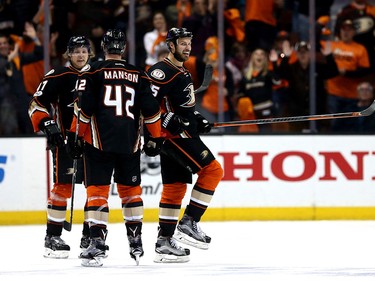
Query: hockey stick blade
[[366, 112], [67, 226], [206, 79]]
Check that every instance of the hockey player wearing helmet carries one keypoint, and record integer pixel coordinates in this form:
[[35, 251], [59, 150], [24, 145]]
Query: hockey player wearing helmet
[[183, 154], [114, 42], [51, 112], [116, 97]]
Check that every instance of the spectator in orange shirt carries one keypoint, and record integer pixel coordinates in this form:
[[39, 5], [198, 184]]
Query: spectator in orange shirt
[[260, 23], [13, 93], [210, 101], [353, 63], [32, 73], [362, 14]]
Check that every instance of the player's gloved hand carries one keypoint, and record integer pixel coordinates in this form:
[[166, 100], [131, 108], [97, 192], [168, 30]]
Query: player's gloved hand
[[173, 123], [203, 125], [54, 136], [73, 148], [153, 146]]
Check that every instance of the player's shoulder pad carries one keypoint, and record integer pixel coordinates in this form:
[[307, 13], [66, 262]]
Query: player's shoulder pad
[[163, 72], [157, 74]]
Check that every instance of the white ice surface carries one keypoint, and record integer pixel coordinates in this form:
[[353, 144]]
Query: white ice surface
[[261, 251]]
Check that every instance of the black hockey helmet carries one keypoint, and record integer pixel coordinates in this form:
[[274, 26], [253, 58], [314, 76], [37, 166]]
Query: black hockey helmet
[[113, 41], [77, 42], [175, 33]]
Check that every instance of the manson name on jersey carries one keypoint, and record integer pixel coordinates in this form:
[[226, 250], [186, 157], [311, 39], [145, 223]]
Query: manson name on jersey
[[120, 74]]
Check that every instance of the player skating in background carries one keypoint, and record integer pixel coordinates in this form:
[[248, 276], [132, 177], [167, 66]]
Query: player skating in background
[[116, 100], [183, 153], [51, 111]]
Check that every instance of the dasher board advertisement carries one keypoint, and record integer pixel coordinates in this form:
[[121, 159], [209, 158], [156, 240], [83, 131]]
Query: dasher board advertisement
[[285, 171]]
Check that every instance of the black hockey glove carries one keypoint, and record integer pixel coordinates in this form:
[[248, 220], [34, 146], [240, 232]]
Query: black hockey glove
[[74, 149], [153, 146], [54, 136], [203, 125], [173, 123]]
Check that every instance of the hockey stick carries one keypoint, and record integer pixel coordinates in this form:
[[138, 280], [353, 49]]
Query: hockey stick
[[206, 79], [366, 112], [68, 224]]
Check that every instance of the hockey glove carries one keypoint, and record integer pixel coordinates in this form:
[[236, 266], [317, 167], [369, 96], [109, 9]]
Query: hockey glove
[[153, 146], [203, 125], [173, 123], [74, 148], [54, 136]]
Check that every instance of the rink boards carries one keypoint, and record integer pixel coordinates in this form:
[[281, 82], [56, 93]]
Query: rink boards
[[280, 177]]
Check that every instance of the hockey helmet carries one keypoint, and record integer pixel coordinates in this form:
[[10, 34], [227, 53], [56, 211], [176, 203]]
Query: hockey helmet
[[113, 42], [175, 33], [78, 42]]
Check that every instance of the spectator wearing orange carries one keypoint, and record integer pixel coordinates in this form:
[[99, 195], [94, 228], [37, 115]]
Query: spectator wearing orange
[[155, 39], [260, 23], [33, 72], [210, 101], [353, 63], [362, 14], [11, 62], [183, 10]]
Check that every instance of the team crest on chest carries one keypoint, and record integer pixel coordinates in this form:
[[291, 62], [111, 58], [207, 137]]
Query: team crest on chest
[[191, 96]]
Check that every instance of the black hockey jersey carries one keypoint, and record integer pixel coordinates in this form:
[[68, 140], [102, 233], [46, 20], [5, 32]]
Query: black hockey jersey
[[55, 95], [174, 90], [116, 97]]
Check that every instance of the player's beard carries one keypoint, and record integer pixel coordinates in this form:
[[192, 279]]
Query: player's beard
[[180, 57]]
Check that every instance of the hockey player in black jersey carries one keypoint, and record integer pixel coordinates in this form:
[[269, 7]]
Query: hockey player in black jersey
[[51, 111], [183, 153], [116, 100]]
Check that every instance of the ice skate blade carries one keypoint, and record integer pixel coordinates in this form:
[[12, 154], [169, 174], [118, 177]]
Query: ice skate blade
[[94, 262], [136, 254], [136, 258], [186, 239], [165, 258], [51, 254]]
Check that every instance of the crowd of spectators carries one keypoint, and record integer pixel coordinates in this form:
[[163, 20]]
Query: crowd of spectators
[[266, 53]]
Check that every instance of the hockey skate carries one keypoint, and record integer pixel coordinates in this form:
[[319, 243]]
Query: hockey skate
[[190, 233], [55, 248], [135, 248], [134, 232], [167, 251], [85, 242], [93, 255]]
